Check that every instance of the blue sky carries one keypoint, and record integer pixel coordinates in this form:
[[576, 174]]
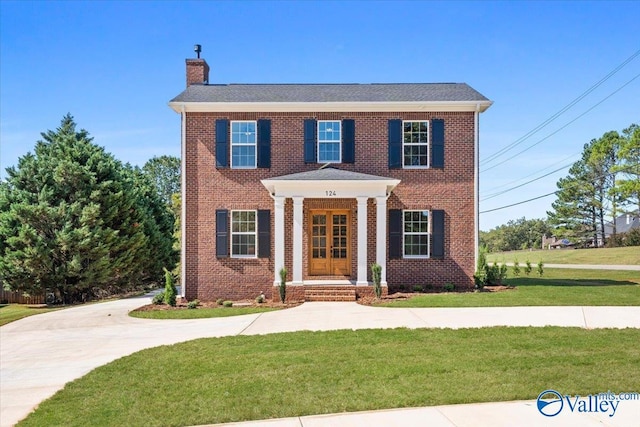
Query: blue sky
[[115, 65]]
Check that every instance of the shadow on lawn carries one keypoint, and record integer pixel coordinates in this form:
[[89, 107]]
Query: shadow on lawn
[[537, 281]]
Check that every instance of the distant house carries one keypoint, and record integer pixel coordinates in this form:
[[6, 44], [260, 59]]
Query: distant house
[[325, 180], [624, 224]]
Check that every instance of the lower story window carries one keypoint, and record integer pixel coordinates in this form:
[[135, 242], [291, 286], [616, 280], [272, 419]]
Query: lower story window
[[416, 234], [243, 234]]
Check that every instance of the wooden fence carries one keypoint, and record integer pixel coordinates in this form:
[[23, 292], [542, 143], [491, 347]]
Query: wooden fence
[[19, 298]]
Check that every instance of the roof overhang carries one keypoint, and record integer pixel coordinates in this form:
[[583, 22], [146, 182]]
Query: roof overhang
[[307, 107], [330, 188]]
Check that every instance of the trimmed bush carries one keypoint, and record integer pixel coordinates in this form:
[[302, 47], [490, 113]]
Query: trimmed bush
[[193, 304], [528, 268], [260, 299], [170, 290], [283, 284], [228, 304], [219, 301], [376, 274], [158, 299], [516, 268], [449, 287]]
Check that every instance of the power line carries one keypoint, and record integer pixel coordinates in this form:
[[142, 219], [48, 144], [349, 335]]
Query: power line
[[544, 195], [531, 174], [491, 196], [561, 111], [567, 124]]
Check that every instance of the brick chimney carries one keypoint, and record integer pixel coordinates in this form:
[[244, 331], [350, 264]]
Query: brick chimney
[[197, 71]]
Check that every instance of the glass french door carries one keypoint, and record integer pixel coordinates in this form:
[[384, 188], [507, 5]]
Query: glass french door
[[329, 251]]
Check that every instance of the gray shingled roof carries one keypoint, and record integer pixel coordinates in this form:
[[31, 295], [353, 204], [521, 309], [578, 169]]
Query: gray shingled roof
[[329, 174], [375, 92]]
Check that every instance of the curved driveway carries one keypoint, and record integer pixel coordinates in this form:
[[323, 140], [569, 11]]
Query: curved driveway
[[39, 354]]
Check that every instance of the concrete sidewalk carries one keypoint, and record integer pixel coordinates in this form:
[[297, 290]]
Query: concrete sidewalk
[[39, 354]]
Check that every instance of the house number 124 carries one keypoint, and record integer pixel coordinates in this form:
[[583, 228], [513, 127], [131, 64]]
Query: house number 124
[[330, 193]]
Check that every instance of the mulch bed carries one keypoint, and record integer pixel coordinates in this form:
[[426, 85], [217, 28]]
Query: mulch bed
[[182, 305], [408, 295]]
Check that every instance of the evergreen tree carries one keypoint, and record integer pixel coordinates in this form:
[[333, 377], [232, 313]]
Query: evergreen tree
[[75, 221]]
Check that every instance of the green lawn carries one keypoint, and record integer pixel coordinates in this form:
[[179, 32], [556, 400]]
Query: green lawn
[[556, 287], [615, 256], [12, 312], [199, 313], [293, 374]]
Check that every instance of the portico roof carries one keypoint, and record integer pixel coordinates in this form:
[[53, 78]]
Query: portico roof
[[330, 182]]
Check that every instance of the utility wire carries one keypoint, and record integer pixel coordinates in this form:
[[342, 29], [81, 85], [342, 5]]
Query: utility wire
[[491, 196], [567, 124], [531, 174], [544, 195], [560, 112]]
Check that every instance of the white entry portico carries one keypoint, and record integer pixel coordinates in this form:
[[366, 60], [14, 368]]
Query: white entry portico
[[326, 183]]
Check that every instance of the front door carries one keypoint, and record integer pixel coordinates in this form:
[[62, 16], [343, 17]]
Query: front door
[[329, 251]]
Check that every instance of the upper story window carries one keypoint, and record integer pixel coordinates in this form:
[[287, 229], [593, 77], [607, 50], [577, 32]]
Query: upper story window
[[416, 234], [329, 139], [415, 144], [243, 144], [243, 234]]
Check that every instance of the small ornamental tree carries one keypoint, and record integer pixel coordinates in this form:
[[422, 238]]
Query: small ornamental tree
[[527, 268], [540, 268], [516, 268], [170, 290], [376, 273], [283, 284]]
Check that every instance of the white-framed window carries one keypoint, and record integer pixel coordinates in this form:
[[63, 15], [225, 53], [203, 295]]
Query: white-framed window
[[415, 144], [243, 144], [244, 234], [416, 234], [329, 141]]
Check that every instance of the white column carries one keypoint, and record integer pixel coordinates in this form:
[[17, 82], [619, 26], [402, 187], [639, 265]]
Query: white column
[[278, 238], [381, 237], [362, 241], [297, 240], [183, 204]]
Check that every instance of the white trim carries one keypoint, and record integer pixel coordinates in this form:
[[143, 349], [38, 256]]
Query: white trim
[[297, 239], [255, 144], [348, 189], [427, 144], [278, 238], [476, 187], [428, 233], [183, 203], [425, 106], [318, 141], [381, 237], [362, 241], [244, 233]]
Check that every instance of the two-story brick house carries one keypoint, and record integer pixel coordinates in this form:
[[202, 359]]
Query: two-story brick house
[[325, 180]]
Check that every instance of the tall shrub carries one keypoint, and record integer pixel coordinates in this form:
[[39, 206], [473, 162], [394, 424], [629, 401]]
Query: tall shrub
[[283, 284], [376, 273], [170, 290]]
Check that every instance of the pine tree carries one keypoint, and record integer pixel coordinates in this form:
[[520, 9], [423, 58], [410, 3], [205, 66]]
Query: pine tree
[[73, 221]]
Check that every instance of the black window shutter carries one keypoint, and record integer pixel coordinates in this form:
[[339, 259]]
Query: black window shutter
[[437, 143], [309, 141], [264, 234], [222, 233], [222, 143], [348, 141], [264, 143], [395, 233], [437, 234], [395, 144]]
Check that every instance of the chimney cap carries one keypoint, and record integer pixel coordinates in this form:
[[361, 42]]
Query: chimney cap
[[197, 48]]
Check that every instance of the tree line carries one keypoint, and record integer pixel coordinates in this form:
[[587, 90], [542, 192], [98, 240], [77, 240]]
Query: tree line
[[78, 223], [602, 185]]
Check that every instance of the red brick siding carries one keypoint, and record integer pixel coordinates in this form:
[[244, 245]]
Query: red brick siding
[[208, 189]]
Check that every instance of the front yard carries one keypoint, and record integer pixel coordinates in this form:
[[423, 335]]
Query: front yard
[[292, 374]]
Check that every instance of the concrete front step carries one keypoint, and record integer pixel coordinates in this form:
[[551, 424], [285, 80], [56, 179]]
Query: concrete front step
[[330, 293]]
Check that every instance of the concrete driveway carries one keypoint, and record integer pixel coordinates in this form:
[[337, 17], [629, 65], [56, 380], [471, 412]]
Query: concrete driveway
[[39, 354]]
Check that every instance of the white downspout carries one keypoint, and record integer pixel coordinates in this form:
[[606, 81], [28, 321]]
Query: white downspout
[[183, 202], [476, 189]]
